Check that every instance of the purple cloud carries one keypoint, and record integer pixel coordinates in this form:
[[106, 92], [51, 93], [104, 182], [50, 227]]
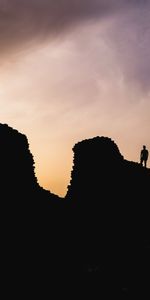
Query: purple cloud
[[29, 22], [32, 20]]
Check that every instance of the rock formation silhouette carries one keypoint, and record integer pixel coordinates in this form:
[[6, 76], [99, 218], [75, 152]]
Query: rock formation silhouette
[[17, 165], [30, 215], [108, 195], [100, 228]]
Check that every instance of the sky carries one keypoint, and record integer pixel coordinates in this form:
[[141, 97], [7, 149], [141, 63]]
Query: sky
[[75, 69]]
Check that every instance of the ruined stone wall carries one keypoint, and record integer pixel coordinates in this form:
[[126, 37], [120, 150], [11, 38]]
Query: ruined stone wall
[[108, 195], [16, 161]]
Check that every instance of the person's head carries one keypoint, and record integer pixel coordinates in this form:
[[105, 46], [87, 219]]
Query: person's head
[[144, 147]]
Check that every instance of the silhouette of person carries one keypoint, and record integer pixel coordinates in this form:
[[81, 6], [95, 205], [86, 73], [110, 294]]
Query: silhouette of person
[[144, 156]]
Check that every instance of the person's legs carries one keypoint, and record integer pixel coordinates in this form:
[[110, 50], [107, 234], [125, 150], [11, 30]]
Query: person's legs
[[145, 163]]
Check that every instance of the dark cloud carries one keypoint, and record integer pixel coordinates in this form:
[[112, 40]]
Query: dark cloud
[[24, 23], [28, 21]]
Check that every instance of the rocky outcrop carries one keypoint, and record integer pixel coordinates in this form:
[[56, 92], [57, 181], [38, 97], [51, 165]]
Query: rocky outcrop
[[100, 170], [108, 195], [17, 167], [100, 227], [96, 162], [16, 163], [30, 215]]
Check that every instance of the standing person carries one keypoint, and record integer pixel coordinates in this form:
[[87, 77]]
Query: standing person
[[144, 156]]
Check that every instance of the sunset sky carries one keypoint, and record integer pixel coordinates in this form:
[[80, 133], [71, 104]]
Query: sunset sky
[[75, 69]]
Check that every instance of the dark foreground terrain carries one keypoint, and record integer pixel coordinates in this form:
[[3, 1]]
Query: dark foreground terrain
[[94, 242]]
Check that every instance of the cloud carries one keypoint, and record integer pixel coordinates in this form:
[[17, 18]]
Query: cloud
[[129, 36], [27, 22]]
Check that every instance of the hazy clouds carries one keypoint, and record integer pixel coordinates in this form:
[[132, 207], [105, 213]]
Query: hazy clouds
[[26, 22], [129, 36]]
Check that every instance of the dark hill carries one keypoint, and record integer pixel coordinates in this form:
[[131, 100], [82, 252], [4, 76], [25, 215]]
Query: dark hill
[[99, 169], [17, 174], [30, 215], [109, 197], [101, 228], [17, 164]]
